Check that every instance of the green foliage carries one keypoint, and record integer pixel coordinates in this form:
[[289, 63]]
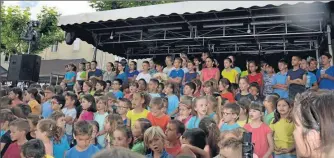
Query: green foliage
[[14, 22], [110, 5]]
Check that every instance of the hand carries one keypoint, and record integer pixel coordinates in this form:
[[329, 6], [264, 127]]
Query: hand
[[285, 150], [324, 76], [277, 149]]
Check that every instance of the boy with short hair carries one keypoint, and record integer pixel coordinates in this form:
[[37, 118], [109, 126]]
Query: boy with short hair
[[156, 116], [311, 79], [325, 75], [254, 90], [160, 75], [296, 78], [144, 74], [230, 116], [100, 87], [189, 89], [70, 114], [123, 107], [82, 134], [177, 74], [116, 86], [19, 129], [174, 132], [34, 149], [279, 80]]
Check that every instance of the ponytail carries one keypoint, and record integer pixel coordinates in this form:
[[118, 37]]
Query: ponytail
[[212, 133], [52, 130], [35, 93], [58, 134]]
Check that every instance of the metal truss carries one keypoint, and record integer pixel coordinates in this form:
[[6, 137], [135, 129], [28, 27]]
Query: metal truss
[[249, 34]]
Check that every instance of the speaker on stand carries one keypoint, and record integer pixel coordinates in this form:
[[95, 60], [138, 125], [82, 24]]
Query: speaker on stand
[[24, 67]]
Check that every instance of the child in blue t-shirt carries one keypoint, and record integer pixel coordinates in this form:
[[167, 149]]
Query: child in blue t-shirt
[[83, 149], [117, 84], [176, 75], [230, 116]]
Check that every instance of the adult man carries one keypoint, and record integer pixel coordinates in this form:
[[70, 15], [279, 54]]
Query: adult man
[[169, 65], [94, 72], [325, 75]]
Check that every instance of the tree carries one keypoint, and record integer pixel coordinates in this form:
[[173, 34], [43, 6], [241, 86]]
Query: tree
[[14, 22], [110, 5]]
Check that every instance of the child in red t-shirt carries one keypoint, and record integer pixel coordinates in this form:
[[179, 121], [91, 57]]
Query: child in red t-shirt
[[19, 129], [225, 88], [254, 75], [262, 135], [157, 117]]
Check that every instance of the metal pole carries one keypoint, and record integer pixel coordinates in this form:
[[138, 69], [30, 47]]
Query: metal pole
[[51, 79], [330, 49], [317, 52], [57, 79], [95, 52]]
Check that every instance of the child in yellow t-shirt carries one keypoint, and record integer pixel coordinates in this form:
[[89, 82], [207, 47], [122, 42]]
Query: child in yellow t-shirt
[[139, 102], [34, 100], [229, 73], [283, 127]]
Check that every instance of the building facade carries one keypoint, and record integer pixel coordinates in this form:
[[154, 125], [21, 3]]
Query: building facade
[[78, 50]]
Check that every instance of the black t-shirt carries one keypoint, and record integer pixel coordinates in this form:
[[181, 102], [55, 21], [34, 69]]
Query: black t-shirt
[[29, 137], [239, 96], [6, 140], [314, 71]]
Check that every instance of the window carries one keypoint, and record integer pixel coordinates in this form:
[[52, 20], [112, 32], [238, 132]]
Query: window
[[76, 44], [54, 47]]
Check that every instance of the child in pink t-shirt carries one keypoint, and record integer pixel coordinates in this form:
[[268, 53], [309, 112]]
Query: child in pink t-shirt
[[262, 136], [88, 108]]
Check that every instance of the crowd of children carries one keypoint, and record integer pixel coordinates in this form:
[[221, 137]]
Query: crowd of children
[[186, 109]]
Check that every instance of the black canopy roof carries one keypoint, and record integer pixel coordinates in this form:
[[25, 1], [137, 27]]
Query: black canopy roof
[[256, 30]]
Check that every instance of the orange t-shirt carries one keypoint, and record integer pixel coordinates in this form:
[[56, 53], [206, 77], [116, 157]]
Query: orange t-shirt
[[229, 96], [159, 121]]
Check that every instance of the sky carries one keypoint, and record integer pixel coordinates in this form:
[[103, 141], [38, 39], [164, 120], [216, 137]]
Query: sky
[[64, 7]]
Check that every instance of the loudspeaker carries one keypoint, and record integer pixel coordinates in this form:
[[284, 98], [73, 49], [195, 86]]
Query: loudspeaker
[[24, 67]]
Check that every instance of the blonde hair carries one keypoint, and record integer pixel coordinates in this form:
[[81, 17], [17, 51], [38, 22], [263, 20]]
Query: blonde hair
[[214, 102], [157, 101], [153, 132], [213, 84], [187, 100], [195, 102], [103, 99]]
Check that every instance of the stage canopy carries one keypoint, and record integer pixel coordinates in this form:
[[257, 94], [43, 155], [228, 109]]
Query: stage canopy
[[243, 27]]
